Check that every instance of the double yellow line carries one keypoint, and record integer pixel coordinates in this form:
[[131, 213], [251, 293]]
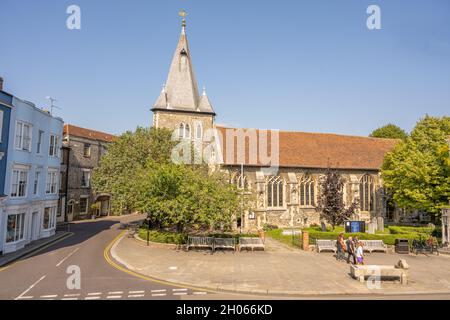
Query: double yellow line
[[112, 263]]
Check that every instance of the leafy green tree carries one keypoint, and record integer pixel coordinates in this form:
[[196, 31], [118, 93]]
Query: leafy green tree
[[331, 199], [417, 172], [187, 196], [390, 131], [126, 156]]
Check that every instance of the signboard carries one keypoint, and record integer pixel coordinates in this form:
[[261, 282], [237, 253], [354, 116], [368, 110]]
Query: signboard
[[355, 227]]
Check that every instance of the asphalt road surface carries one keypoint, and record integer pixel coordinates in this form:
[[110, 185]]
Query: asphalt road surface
[[44, 276]]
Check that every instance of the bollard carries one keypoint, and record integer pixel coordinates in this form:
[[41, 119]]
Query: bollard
[[305, 240]]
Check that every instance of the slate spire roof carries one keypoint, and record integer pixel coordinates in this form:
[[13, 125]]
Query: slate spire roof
[[181, 90]]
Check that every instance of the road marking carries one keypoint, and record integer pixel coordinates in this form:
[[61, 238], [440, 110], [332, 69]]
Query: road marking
[[200, 293], [159, 295], [136, 295], [173, 268], [31, 287], [115, 292], [113, 297], [175, 290], [67, 257], [24, 298], [49, 296], [95, 294], [136, 292], [91, 298], [72, 295], [113, 264], [180, 293], [67, 299], [155, 291]]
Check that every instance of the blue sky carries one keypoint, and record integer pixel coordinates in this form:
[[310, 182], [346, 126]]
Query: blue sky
[[307, 65]]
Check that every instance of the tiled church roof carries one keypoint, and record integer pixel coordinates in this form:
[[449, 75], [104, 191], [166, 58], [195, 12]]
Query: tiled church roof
[[318, 150], [87, 133]]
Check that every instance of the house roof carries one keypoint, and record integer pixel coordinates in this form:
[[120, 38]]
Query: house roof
[[72, 130], [315, 150]]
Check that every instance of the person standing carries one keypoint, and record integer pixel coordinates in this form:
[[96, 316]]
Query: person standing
[[350, 250], [340, 244], [360, 254]]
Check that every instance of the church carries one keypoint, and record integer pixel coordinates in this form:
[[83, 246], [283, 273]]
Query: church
[[286, 197]]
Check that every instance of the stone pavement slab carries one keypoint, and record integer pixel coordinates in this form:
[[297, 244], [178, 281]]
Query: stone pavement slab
[[283, 272]]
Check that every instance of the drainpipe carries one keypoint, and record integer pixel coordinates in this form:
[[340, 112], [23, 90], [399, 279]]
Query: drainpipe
[[66, 217]]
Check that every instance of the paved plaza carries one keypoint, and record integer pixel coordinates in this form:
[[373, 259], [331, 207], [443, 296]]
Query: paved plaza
[[278, 271]]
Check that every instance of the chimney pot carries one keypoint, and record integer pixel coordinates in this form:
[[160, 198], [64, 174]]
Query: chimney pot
[[1, 84]]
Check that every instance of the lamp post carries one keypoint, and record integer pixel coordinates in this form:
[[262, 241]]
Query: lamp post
[[148, 229]]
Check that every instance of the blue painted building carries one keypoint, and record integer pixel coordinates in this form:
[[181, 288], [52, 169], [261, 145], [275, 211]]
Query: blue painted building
[[31, 179]]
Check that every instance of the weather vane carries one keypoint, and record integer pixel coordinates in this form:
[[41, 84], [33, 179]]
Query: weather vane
[[183, 15]]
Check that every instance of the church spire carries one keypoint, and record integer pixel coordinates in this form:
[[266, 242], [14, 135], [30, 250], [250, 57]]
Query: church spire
[[181, 90]]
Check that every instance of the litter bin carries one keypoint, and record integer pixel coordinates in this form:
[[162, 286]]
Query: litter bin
[[402, 246]]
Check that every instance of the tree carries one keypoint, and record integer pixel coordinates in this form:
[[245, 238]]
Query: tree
[[417, 172], [331, 200], [187, 196], [118, 170], [390, 131]]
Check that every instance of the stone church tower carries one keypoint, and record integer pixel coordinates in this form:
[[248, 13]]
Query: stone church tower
[[179, 106]]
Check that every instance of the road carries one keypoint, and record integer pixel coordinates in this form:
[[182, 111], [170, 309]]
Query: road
[[44, 276]]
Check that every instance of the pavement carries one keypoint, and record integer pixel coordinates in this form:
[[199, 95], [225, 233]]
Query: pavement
[[280, 271]]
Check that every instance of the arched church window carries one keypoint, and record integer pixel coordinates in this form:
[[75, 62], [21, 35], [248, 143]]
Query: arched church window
[[366, 193], [181, 131], [275, 192], [307, 192], [199, 131], [240, 181], [187, 132]]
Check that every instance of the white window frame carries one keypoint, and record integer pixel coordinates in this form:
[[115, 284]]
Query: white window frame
[[87, 146], [15, 185], [19, 142], [307, 193], [52, 218], [53, 146], [87, 205], [19, 231], [40, 139], [36, 181], [51, 182]]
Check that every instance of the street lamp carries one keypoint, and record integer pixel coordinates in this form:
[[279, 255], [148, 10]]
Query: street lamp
[[148, 229]]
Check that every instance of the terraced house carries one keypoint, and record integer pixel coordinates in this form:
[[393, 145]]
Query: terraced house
[[82, 150], [32, 174], [286, 197]]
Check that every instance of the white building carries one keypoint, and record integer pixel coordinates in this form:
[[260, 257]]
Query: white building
[[32, 177]]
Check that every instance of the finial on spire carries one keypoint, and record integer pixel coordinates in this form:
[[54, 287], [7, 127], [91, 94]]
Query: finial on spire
[[183, 15], [204, 90]]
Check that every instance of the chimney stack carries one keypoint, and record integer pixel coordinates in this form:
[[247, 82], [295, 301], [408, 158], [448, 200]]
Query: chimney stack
[[1, 84]]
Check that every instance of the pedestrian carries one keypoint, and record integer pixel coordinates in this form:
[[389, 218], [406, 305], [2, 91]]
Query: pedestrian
[[340, 245], [360, 254], [355, 242], [350, 250]]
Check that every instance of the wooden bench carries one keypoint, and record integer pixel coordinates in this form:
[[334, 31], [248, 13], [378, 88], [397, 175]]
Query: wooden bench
[[251, 243], [374, 245], [200, 242], [379, 273], [326, 245], [224, 243]]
